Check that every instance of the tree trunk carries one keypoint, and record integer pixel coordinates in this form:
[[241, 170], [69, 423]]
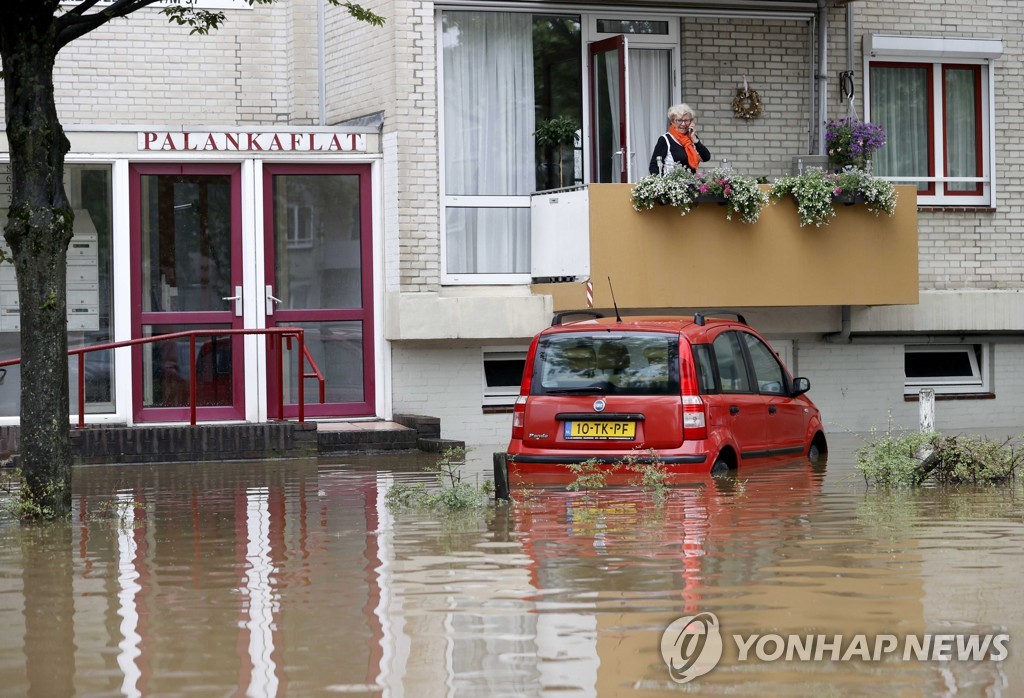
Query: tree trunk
[[38, 230]]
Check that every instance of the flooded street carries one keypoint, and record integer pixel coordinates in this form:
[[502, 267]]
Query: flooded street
[[294, 578]]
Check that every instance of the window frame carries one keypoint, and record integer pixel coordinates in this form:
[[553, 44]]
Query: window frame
[[512, 201], [503, 396], [979, 357], [939, 55]]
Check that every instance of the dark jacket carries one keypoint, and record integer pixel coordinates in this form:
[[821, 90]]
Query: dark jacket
[[668, 144]]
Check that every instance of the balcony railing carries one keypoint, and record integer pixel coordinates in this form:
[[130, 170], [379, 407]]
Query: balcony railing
[[659, 259]]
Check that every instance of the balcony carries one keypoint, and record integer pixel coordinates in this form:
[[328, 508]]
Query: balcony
[[659, 259]]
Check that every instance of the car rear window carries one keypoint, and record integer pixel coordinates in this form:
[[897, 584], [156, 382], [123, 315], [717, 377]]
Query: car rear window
[[631, 363]]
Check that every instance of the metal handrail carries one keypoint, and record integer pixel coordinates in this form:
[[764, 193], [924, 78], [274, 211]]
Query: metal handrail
[[287, 333]]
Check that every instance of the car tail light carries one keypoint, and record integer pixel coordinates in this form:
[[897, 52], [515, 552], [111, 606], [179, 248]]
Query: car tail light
[[695, 422], [519, 417]]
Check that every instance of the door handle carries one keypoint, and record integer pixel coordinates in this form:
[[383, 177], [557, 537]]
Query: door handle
[[733, 409], [771, 409], [271, 299], [237, 298]]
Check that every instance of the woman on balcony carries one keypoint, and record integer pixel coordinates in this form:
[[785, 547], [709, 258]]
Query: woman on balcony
[[680, 147]]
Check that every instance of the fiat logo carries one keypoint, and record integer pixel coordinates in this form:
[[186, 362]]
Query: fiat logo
[[598, 405]]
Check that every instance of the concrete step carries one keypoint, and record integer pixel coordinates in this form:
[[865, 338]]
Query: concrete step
[[212, 442]]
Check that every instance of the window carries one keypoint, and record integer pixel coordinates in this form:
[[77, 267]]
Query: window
[[932, 97], [771, 379], [491, 160], [949, 369], [503, 373], [732, 369]]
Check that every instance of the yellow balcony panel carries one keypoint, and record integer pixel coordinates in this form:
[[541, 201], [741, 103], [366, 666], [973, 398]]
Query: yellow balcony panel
[[659, 259]]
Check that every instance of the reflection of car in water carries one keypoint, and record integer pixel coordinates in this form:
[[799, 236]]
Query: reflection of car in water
[[702, 394], [687, 528]]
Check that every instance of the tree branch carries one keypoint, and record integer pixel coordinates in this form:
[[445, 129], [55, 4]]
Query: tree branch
[[75, 23]]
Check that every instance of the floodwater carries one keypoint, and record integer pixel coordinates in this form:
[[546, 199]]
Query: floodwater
[[294, 578]]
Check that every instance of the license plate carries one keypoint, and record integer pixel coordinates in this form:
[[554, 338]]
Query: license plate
[[625, 431]]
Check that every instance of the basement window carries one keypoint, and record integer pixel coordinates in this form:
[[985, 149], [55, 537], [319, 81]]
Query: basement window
[[950, 369], [503, 372]]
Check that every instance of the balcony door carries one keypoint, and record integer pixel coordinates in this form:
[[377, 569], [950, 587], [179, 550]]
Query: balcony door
[[186, 275], [318, 262], [609, 115], [634, 67]]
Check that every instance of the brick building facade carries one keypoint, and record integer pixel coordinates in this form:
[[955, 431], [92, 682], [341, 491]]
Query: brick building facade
[[440, 300]]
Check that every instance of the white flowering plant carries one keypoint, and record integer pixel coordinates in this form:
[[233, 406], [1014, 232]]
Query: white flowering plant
[[676, 188], [682, 189], [815, 192], [742, 195], [879, 195]]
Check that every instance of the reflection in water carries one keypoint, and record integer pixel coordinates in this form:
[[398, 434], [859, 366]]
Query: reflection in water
[[293, 578], [262, 602], [128, 583]]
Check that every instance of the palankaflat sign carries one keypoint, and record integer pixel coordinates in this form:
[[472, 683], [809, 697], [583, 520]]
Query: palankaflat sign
[[252, 141]]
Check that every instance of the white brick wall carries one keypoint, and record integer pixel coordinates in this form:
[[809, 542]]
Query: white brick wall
[[447, 382], [144, 71], [395, 70], [717, 53], [856, 386]]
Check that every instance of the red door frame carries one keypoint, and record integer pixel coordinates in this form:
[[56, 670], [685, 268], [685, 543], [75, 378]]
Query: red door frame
[[615, 43], [199, 319], [363, 314]]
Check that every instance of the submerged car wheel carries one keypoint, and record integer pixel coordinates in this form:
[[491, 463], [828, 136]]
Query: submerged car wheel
[[721, 467], [814, 453]]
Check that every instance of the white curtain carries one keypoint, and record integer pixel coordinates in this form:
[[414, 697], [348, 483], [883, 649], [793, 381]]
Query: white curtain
[[899, 101], [614, 97], [650, 95], [961, 127], [489, 145]]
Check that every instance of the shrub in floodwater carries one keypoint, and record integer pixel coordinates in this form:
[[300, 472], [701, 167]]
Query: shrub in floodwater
[[451, 494], [650, 470], [589, 475], [902, 459]]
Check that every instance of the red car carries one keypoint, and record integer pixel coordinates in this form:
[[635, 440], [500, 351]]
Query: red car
[[706, 395]]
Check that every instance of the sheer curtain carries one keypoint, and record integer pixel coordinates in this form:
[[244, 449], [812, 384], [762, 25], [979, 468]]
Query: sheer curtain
[[614, 97], [899, 101], [489, 148], [961, 128], [650, 95]]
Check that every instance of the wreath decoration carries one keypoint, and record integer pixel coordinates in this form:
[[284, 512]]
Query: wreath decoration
[[747, 103]]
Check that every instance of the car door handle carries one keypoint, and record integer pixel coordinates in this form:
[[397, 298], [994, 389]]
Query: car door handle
[[733, 409], [771, 409]]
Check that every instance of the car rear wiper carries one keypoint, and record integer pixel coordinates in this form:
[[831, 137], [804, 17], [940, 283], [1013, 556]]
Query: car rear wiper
[[583, 390]]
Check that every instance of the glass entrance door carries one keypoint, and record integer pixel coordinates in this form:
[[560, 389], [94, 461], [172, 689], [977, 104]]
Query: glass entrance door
[[318, 261], [186, 274]]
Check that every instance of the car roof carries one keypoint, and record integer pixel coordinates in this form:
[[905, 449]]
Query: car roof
[[643, 323]]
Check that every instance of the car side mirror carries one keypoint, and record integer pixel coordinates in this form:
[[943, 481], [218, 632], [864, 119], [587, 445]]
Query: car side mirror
[[800, 386]]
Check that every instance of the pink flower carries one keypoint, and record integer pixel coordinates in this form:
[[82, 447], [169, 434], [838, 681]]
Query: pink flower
[[703, 189], [837, 191]]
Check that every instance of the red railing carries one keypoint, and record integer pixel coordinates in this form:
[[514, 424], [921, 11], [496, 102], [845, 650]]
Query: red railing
[[280, 333]]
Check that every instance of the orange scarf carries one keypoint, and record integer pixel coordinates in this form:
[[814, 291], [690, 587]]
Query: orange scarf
[[692, 157]]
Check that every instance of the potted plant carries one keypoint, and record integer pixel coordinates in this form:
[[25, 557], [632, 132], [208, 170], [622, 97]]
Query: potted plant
[[852, 142], [560, 132], [741, 195], [683, 189], [677, 188], [816, 191]]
